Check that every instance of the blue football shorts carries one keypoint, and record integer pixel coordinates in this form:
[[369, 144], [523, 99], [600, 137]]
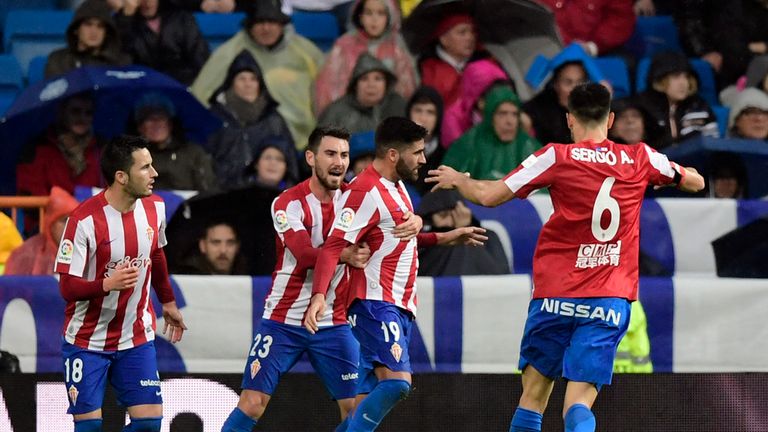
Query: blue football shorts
[[384, 332], [131, 372], [333, 353], [575, 338]]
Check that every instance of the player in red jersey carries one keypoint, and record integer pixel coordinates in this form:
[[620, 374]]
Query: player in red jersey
[[109, 254], [585, 268]]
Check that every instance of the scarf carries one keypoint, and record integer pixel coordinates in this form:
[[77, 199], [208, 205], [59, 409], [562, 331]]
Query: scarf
[[245, 112], [73, 149]]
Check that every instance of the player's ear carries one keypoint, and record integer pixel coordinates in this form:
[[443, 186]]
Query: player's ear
[[393, 154], [121, 177], [310, 157], [569, 120], [611, 118]]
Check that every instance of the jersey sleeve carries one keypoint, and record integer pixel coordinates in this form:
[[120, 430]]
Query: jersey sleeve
[[76, 243], [536, 172], [661, 171], [357, 215], [288, 220]]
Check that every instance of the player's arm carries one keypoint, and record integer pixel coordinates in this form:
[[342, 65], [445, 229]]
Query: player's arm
[[664, 172], [74, 288], [161, 281], [690, 180], [488, 193], [324, 271]]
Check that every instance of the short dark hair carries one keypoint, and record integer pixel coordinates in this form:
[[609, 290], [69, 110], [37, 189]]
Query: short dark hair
[[216, 221], [397, 133], [320, 132], [589, 102], [117, 155]]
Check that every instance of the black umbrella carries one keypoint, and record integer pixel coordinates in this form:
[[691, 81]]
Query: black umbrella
[[741, 253]]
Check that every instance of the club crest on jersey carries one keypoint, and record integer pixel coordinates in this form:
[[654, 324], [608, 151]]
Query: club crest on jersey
[[255, 368], [66, 249], [396, 351], [346, 216], [150, 233], [73, 394], [281, 220]]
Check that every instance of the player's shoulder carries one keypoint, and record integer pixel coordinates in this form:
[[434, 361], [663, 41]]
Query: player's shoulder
[[88, 207], [294, 193], [152, 199], [364, 182]]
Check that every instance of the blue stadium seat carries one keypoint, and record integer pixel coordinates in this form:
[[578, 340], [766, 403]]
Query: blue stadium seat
[[652, 35], [616, 72], [319, 27], [36, 71], [707, 88], [217, 28], [31, 33], [11, 81], [721, 112]]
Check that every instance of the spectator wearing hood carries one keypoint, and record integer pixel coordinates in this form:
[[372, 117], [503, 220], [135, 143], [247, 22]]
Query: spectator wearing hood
[[376, 30], [498, 144], [425, 108], [748, 117], [269, 168], [250, 117], [442, 211], [10, 239], [727, 176], [158, 35], [92, 40], [370, 98], [289, 61], [180, 165], [37, 254], [672, 99], [632, 124]]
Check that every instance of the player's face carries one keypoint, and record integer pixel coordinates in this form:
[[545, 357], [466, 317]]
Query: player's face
[[374, 18], [424, 115], [141, 176], [460, 41], [571, 76], [410, 161], [505, 121], [371, 88], [629, 126], [331, 161], [220, 246], [266, 33], [246, 86]]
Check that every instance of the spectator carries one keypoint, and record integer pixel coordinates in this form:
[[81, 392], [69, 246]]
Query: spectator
[[10, 239], [158, 35], [370, 98], [547, 109], [748, 117], [757, 73], [269, 169], [339, 9], [38, 253], [672, 99], [599, 26], [289, 62], [728, 176], [376, 31], [66, 155], [631, 124], [249, 115], [219, 252], [467, 110], [425, 108], [180, 165], [498, 144], [443, 211], [92, 40]]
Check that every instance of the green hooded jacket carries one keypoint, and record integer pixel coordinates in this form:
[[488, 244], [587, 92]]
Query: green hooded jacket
[[480, 151], [634, 352]]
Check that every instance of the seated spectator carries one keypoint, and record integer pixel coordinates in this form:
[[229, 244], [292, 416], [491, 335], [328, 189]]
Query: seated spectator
[[269, 169], [250, 117], [38, 253], [442, 211], [10, 239], [425, 108], [631, 124], [180, 165], [158, 35], [748, 117], [376, 31], [498, 144], [672, 99], [370, 98], [66, 155], [547, 109], [290, 64], [92, 40], [467, 110], [727, 176], [219, 252]]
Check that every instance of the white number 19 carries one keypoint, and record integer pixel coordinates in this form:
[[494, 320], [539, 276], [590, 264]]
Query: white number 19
[[605, 201]]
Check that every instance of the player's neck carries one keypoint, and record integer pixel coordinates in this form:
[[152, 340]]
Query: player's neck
[[118, 199], [319, 191], [596, 135], [386, 170]]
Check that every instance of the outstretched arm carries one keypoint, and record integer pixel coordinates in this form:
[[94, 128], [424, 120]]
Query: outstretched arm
[[488, 193]]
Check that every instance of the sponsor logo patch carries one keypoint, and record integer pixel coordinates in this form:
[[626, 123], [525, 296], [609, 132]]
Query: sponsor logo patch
[[346, 216], [281, 220], [66, 249]]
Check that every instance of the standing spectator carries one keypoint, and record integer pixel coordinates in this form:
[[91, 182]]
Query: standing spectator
[[92, 40], [498, 144], [180, 165], [66, 155], [426, 110], [158, 35], [219, 252], [250, 117], [370, 98], [290, 64], [37, 254], [748, 117], [376, 31], [599, 26], [672, 99]]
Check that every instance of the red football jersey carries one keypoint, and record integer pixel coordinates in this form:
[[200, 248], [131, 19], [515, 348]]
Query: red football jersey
[[589, 247]]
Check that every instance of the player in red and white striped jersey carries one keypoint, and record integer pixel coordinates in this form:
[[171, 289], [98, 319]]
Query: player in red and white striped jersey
[[110, 253]]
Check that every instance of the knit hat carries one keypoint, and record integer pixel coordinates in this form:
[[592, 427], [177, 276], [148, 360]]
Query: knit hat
[[749, 98], [264, 10], [450, 21]]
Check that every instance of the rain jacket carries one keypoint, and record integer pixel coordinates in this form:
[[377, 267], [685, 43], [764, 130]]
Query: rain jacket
[[389, 48], [38, 254], [548, 117], [290, 68], [235, 146], [347, 112], [634, 352], [182, 166], [65, 59], [10, 239], [481, 153]]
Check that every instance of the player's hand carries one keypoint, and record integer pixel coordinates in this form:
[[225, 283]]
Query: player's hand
[[691, 170], [173, 321], [444, 177], [314, 313], [356, 255], [123, 277], [470, 235], [410, 228]]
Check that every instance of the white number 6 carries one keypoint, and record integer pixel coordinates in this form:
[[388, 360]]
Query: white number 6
[[605, 201]]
